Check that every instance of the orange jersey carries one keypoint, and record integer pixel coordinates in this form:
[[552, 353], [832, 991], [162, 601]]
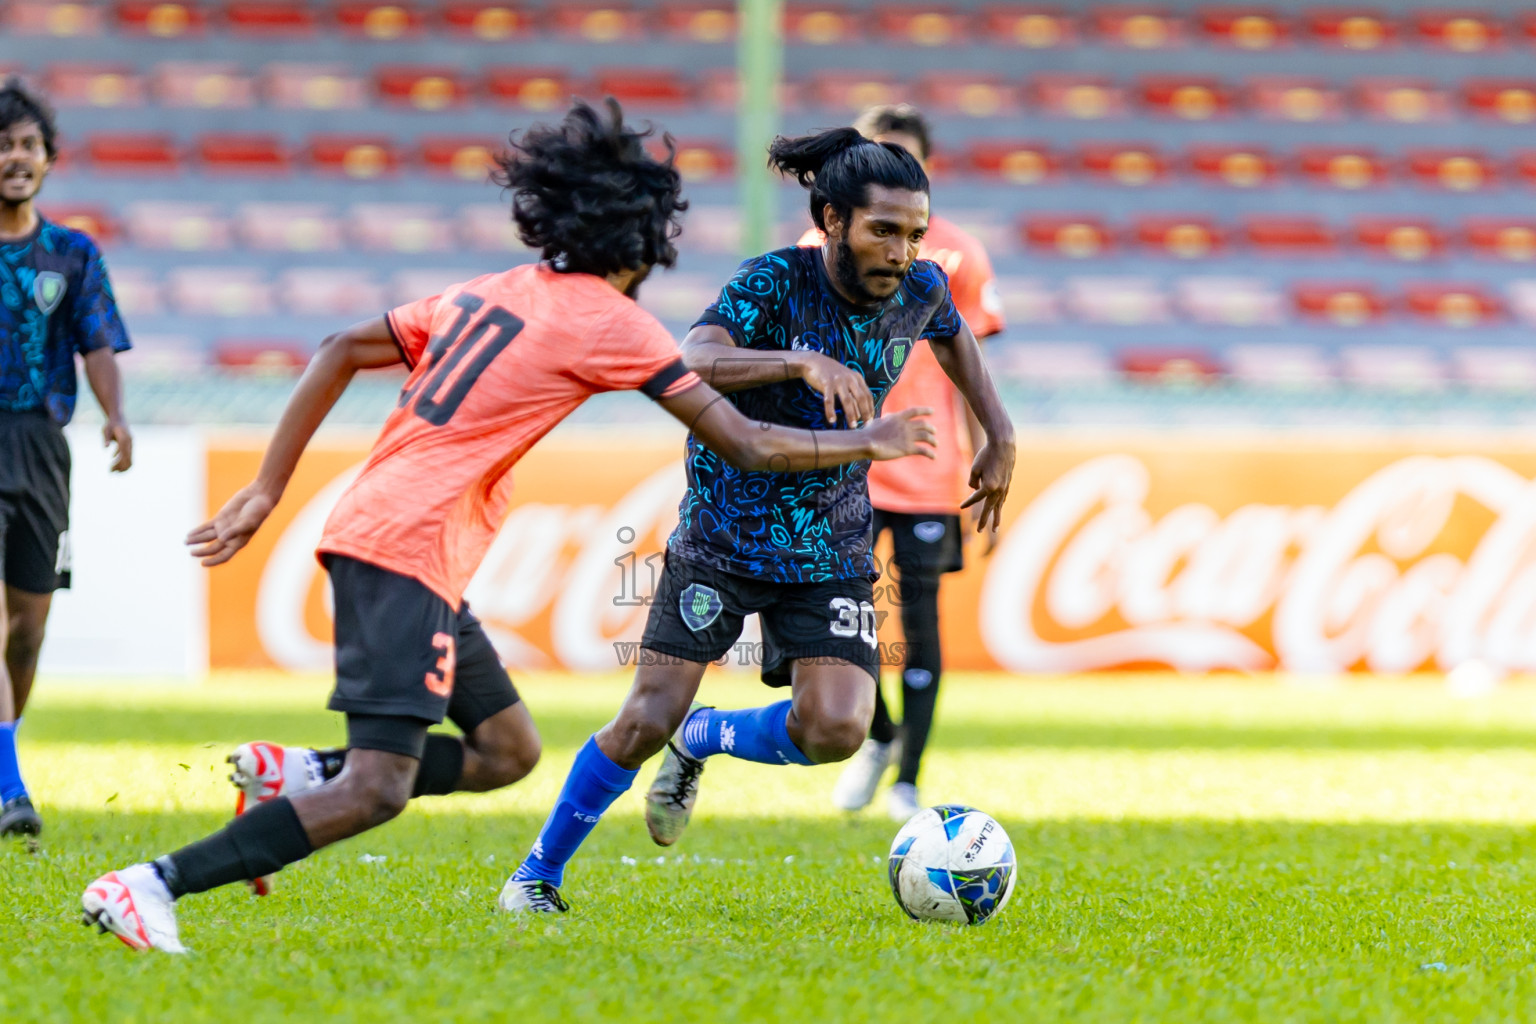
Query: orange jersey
[[937, 485], [495, 364]]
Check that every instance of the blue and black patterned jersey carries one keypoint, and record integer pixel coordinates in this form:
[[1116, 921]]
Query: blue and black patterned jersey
[[801, 527], [55, 301]]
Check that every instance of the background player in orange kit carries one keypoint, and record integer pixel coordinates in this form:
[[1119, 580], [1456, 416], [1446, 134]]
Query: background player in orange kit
[[495, 364], [919, 501]]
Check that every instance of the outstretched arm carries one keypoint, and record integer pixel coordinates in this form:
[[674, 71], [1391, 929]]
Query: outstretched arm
[[750, 445], [359, 347], [710, 352], [992, 469]]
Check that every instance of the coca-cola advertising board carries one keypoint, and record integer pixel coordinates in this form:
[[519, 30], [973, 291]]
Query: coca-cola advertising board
[[1306, 554]]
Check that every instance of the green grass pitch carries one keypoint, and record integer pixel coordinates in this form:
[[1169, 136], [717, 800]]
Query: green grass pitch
[[1190, 850]]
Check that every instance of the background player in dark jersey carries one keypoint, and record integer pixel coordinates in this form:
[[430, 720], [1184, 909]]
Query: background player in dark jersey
[[55, 303], [495, 363], [809, 337]]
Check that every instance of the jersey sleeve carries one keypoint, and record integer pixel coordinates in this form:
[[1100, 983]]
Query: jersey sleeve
[[973, 287], [631, 351], [750, 304], [411, 325], [97, 323], [930, 281]]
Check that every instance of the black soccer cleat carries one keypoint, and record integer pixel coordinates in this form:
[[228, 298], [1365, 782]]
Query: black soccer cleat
[[19, 818]]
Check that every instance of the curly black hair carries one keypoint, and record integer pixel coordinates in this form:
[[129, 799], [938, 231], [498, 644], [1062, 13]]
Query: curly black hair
[[838, 165], [18, 104], [587, 194]]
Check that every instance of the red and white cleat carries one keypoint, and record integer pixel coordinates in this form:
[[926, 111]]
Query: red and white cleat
[[265, 771], [134, 905]]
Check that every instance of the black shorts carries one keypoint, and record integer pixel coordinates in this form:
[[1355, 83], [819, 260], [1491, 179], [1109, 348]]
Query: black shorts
[[926, 544], [34, 503], [402, 652], [697, 614]]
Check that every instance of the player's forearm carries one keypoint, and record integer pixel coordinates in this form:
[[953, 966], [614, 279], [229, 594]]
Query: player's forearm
[[727, 368], [780, 449], [960, 358], [322, 384], [106, 383]]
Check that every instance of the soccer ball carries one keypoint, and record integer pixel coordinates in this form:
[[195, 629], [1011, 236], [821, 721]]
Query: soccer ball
[[952, 863]]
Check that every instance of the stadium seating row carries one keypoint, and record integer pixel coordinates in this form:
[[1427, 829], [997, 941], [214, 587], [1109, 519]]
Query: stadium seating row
[[228, 85], [1133, 26]]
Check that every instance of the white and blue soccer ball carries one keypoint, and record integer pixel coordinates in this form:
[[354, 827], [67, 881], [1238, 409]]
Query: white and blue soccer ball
[[952, 863]]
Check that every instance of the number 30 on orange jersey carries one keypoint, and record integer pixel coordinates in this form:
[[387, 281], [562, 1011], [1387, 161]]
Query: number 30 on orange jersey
[[440, 678]]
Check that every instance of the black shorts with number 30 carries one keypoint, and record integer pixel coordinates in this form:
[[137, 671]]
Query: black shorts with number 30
[[697, 614]]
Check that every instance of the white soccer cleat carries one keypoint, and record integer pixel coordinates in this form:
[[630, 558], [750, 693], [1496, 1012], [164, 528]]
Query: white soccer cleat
[[903, 802], [134, 905], [856, 786], [265, 771], [532, 897]]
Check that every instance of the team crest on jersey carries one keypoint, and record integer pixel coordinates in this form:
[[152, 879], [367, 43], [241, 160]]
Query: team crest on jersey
[[48, 290], [700, 606]]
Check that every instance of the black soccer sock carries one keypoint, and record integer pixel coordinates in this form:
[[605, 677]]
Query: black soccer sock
[[881, 728], [264, 839], [920, 674], [442, 766]]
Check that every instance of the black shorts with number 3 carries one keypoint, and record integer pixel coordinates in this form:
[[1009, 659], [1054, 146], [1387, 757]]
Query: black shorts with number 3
[[697, 613]]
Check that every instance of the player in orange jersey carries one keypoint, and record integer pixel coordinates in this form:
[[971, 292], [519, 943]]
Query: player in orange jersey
[[495, 364], [919, 502]]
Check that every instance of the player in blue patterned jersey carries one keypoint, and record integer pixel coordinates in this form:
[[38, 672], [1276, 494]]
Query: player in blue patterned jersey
[[810, 338], [55, 303]]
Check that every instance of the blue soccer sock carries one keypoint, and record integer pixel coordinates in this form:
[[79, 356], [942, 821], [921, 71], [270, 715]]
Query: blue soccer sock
[[594, 784], [753, 734], [11, 785]]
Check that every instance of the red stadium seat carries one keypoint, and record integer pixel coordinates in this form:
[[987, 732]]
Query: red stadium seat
[[1120, 301], [972, 95], [1235, 166], [1230, 301], [1453, 170], [48, 18], [704, 160], [487, 228], [1494, 369], [1280, 98], [1403, 100], [188, 227], [1187, 238], [699, 22], [166, 20], [529, 88], [355, 156], [1459, 31], [487, 20], [313, 86], [92, 220], [275, 357], [1342, 167], [1136, 27], [1189, 98], [911, 25], [1351, 29], [1411, 368], [1132, 164], [1034, 28], [597, 23], [1510, 101], [425, 88], [1169, 365], [643, 87], [1082, 97], [380, 21], [400, 227], [459, 156], [1020, 163], [1502, 238], [1526, 26], [1062, 235], [203, 84], [1340, 303], [1523, 167], [1453, 305], [289, 227], [242, 154], [820, 25], [1289, 237], [326, 291], [1245, 28], [120, 154], [852, 91], [1407, 239], [267, 18], [94, 85]]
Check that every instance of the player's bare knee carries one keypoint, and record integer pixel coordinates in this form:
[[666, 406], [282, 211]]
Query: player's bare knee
[[515, 763], [638, 736], [831, 738], [376, 798], [24, 642]]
